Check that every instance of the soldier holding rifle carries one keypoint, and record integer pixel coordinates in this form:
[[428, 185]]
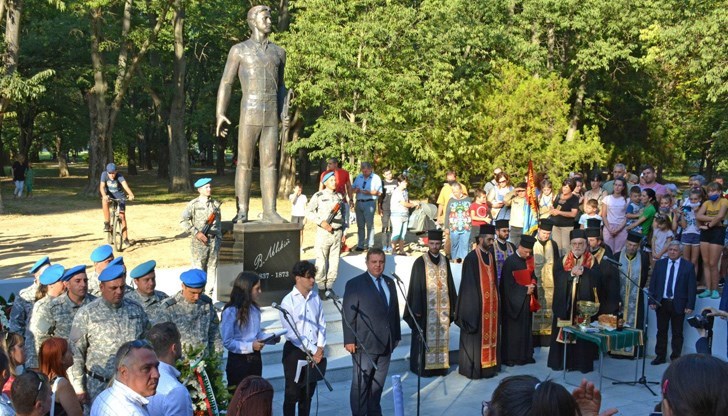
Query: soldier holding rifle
[[325, 211], [201, 218]]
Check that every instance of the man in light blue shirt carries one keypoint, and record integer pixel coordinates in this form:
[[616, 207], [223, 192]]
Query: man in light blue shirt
[[172, 397], [306, 313], [367, 188]]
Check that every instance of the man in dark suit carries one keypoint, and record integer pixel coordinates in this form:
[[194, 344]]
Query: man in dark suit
[[372, 310], [673, 285]]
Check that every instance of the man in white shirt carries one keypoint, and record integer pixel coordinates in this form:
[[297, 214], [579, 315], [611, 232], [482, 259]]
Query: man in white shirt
[[137, 376], [172, 397], [306, 313]]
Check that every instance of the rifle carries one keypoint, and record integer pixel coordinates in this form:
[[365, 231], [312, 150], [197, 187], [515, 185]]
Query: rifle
[[211, 220], [334, 210]]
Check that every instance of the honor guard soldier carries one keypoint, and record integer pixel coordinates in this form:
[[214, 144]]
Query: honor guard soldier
[[201, 218], [23, 306], [193, 313], [51, 278], [101, 256], [145, 294], [56, 317], [325, 210], [99, 329]]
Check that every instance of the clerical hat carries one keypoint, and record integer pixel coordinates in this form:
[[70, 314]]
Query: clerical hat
[[434, 235], [487, 229], [501, 224], [527, 241], [634, 237], [546, 225], [593, 223], [577, 234], [593, 232]]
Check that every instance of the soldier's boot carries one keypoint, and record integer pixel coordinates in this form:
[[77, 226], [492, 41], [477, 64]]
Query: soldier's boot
[[268, 189], [243, 180]]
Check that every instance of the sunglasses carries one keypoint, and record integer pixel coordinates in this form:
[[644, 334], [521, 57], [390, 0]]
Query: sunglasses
[[135, 345], [41, 378]]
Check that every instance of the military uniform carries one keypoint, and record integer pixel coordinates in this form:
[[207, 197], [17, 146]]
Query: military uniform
[[99, 328], [32, 344], [151, 304], [197, 322], [93, 283], [194, 217], [328, 245], [22, 309]]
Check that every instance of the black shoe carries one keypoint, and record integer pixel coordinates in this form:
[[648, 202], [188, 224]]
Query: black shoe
[[107, 227], [128, 243], [658, 361], [359, 248]]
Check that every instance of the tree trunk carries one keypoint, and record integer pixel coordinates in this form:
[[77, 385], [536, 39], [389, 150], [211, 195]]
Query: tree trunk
[[179, 166], [26, 124], [287, 168], [284, 17], [576, 109], [12, 44], [131, 158], [62, 161]]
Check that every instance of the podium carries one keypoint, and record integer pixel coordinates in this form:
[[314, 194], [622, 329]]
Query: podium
[[269, 250]]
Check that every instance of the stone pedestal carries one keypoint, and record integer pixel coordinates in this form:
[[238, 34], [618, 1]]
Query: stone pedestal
[[267, 249]]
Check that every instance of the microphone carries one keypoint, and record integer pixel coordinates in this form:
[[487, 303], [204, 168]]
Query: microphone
[[612, 261], [331, 295], [277, 306], [397, 277]]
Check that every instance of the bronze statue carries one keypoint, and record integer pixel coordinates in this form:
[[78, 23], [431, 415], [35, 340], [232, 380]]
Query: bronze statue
[[259, 65]]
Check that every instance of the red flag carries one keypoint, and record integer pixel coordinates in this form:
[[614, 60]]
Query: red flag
[[531, 188]]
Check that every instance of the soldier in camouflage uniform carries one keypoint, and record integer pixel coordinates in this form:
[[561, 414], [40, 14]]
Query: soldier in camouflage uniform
[[101, 256], [51, 277], [328, 235], [193, 313], [145, 281], [54, 319], [99, 329], [23, 304], [205, 248]]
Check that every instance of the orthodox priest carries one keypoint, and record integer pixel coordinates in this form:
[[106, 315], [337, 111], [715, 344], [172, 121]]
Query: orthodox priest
[[575, 278], [634, 263], [545, 255], [431, 296], [502, 249], [517, 286], [477, 310], [608, 273]]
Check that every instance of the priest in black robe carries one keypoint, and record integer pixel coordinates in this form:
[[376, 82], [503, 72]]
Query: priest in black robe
[[502, 248], [517, 320], [608, 272], [432, 297], [477, 312], [634, 263], [576, 274]]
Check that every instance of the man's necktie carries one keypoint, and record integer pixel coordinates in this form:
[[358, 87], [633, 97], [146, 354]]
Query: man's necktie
[[381, 291], [669, 279]]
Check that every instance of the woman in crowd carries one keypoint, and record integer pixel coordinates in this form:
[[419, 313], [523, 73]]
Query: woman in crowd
[[563, 214], [399, 207], [596, 191], [649, 202], [15, 350], [240, 328], [690, 237], [525, 395], [497, 195], [695, 385], [55, 359], [254, 396], [614, 208], [710, 216]]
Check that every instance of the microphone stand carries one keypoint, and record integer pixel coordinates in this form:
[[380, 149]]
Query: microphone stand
[[645, 319], [309, 359], [336, 301], [420, 334]]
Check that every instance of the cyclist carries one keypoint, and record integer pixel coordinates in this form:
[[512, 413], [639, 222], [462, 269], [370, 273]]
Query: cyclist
[[111, 185]]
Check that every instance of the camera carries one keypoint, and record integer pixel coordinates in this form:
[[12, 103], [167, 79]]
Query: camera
[[702, 321], [687, 208]]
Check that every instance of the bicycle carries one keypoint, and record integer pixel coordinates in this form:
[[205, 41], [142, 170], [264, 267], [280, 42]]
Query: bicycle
[[115, 236]]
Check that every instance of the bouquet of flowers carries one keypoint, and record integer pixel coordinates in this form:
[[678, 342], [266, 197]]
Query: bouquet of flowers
[[201, 373]]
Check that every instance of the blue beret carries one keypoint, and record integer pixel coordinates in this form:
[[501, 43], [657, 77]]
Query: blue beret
[[101, 253], [194, 278], [111, 273], [327, 176], [119, 261], [73, 271], [143, 269], [52, 274], [40, 263], [202, 182]]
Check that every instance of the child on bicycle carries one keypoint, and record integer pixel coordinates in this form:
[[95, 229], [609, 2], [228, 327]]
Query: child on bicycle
[[112, 183]]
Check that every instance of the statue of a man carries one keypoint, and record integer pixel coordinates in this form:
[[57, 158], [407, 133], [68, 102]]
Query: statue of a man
[[259, 64]]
